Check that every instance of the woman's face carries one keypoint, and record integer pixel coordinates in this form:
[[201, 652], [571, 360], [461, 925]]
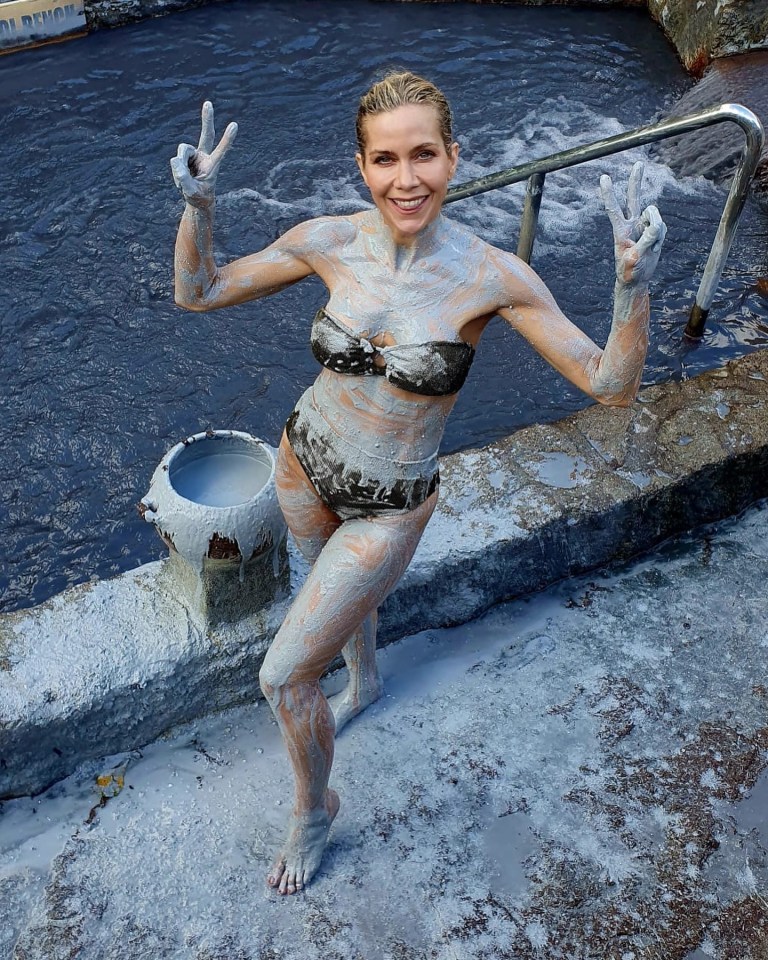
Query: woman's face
[[406, 167]]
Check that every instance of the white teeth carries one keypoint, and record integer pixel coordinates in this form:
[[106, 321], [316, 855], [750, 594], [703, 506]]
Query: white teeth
[[409, 204]]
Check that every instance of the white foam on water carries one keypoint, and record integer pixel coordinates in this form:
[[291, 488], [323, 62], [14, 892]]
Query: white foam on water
[[330, 197], [570, 195]]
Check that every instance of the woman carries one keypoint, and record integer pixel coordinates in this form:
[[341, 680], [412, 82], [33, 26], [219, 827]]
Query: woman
[[410, 293]]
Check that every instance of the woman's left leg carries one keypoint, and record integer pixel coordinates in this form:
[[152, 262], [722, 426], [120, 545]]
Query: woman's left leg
[[360, 564], [364, 685]]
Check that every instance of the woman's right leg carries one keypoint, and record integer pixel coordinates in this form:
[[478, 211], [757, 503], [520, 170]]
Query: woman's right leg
[[360, 564], [311, 523]]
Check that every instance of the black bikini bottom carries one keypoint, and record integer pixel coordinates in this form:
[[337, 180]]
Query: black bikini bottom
[[348, 480]]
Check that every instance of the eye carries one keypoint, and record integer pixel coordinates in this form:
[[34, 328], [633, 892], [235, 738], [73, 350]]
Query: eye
[[382, 160], [426, 154]]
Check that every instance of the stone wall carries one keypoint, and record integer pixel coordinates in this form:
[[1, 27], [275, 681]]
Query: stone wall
[[117, 13], [715, 151]]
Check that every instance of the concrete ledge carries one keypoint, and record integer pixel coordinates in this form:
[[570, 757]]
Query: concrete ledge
[[112, 663], [107, 667]]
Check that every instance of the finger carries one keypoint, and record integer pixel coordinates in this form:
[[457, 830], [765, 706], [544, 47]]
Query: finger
[[207, 132], [185, 152], [187, 155], [611, 204], [634, 189], [182, 175], [224, 144], [177, 169], [654, 233]]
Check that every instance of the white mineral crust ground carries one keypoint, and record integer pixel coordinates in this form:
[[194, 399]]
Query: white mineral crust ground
[[576, 774]]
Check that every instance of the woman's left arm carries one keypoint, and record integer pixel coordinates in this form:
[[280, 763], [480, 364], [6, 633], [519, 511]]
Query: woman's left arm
[[611, 375]]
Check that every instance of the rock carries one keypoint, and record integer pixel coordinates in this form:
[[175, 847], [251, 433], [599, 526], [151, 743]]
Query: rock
[[714, 152], [704, 30]]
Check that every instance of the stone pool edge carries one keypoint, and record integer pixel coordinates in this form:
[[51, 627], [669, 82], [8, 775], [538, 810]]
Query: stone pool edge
[[106, 667]]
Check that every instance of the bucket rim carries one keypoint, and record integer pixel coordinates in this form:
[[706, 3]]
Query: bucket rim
[[164, 467]]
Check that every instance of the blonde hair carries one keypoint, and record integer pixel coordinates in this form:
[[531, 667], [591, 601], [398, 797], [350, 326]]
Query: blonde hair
[[398, 89]]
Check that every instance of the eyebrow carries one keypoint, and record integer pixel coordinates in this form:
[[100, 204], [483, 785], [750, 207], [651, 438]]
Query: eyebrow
[[421, 146]]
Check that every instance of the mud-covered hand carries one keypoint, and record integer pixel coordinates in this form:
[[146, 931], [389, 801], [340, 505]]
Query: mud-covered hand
[[195, 169], [637, 236]]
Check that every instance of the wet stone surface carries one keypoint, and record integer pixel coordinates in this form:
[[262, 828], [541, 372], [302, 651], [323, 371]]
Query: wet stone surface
[[579, 774]]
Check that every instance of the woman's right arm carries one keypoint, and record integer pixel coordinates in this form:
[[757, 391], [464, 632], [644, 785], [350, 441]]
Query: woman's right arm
[[199, 283]]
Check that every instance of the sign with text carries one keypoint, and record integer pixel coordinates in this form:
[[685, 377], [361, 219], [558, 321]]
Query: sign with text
[[24, 22]]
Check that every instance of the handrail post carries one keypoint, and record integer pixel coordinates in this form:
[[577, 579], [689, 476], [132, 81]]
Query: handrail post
[[737, 197], [530, 218]]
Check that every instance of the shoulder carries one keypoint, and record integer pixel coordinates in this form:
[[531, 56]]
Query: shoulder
[[460, 237], [476, 251], [519, 282], [504, 275], [319, 234]]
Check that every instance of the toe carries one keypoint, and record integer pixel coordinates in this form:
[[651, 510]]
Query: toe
[[298, 876], [288, 881], [276, 873]]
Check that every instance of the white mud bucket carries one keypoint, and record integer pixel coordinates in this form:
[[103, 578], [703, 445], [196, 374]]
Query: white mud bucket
[[212, 499]]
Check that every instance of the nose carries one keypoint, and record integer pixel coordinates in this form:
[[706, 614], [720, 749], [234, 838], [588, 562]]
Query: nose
[[406, 178]]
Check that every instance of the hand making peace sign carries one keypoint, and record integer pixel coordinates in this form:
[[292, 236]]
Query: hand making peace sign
[[195, 170], [637, 237]]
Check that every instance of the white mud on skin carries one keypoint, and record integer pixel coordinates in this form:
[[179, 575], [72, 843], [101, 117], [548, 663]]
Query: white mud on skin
[[523, 779]]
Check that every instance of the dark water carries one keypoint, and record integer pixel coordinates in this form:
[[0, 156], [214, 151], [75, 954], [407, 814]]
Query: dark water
[[101, 373]]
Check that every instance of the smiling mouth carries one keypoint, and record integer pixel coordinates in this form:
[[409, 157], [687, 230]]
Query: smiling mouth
[[408, 206]]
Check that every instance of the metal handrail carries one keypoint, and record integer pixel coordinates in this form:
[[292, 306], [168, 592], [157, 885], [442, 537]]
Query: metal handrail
[[536, 170]]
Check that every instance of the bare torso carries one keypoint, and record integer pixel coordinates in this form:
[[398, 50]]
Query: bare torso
[[393, 296]]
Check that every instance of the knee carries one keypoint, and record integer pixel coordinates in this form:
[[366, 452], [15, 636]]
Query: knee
[[287, 668], [272, 678]]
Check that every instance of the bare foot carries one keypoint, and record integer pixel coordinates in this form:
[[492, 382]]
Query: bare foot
[[299, 859], [349, 703]]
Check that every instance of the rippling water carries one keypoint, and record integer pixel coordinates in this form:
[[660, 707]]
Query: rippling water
[[103, 374]]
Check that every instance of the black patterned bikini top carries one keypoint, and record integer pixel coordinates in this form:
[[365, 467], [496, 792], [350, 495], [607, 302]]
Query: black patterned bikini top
[[434, 369]]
